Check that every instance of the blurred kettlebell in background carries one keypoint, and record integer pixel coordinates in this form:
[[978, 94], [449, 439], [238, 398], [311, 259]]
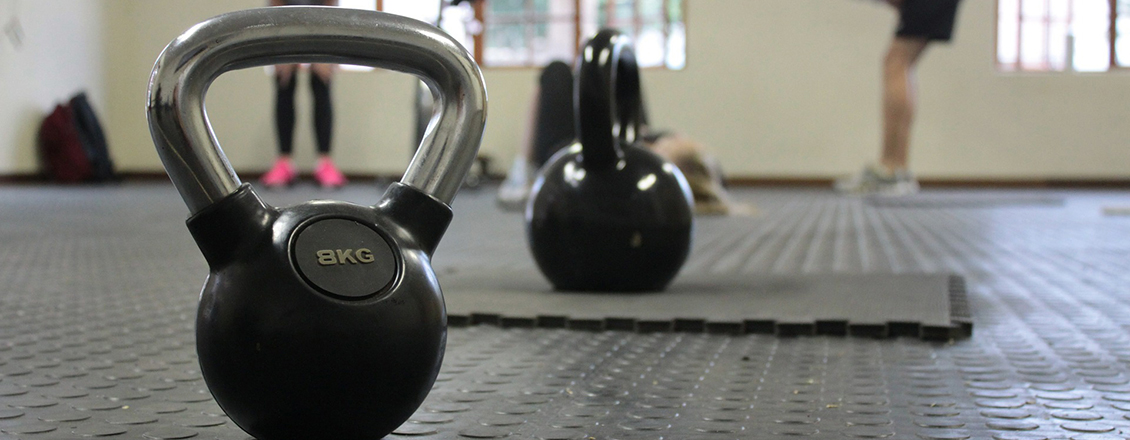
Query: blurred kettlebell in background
[[606, 214], [322, 320]]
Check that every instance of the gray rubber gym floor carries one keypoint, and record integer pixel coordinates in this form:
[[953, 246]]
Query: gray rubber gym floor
[[98, 289]]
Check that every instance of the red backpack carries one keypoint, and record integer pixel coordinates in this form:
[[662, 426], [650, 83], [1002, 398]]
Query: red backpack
[[61, 150]]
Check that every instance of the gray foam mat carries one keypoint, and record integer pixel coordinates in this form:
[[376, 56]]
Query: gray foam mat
[[966, 200], [922, 305]]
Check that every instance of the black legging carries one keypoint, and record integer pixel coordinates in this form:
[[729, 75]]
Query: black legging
[[554, 127], [284, 112]]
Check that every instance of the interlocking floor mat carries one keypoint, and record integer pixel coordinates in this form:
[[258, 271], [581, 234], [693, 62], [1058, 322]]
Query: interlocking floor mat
[[922, 305], [98, 290], [975, 200]]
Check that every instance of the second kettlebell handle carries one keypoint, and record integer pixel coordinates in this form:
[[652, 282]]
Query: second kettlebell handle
[[607, 98], [284, 35]]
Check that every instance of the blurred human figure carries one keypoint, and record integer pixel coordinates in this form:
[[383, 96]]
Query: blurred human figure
[[702, 171], [457, 18], [920, 23], [284, 172], [549, 127]]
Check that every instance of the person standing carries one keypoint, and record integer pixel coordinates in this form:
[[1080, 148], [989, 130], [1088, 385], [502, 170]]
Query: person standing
[[921, 22], [284, 172]]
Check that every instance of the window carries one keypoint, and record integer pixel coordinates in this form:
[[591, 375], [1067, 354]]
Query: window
[[655, 25], [1062, 35], [419, 9], [358, 4], [426, 11], [531, 33], [535, 32]]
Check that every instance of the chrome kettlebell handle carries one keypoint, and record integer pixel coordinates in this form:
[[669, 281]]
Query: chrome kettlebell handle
[[186, 68]]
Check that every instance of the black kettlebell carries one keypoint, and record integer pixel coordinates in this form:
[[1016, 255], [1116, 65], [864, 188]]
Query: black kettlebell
[[324, 319], [606, 214]]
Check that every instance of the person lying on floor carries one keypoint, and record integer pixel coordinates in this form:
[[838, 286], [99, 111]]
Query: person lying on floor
[[550, 128]]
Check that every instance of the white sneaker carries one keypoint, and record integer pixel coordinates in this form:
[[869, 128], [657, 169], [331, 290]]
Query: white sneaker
[[514, 191], [876, 180]]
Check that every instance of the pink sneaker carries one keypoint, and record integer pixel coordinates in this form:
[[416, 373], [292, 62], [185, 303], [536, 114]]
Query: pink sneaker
[[280, 175], [328, 175]]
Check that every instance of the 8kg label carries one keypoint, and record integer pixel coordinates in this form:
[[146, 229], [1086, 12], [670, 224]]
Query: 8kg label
[[330, 257], [344, 258]]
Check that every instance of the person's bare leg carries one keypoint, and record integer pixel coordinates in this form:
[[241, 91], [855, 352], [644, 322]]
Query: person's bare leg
[[899, 90], [526, 150], [283, 72]]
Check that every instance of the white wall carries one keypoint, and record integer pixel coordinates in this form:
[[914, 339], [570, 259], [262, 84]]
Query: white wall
[[791, 87], [783, 88], [372, 109], [59, 54]]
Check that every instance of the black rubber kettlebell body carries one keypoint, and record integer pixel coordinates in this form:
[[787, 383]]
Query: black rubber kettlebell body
[[324, 319], [285, 352], [606, 214]]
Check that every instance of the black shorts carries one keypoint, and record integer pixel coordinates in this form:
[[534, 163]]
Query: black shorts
[[929, 19]]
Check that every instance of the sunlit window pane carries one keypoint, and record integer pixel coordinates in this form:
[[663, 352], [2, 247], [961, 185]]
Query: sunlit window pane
[[590, 16], [1033, 9], [532, 33], [1008, 32], [506, 45], [623, 11], [554, 41], [427, 11], [1057, 35], [1090, 25], [655, 26], [677, 47], [1057, 46], [1092, 53], [1033, 34], [507, 6], [1033, 48], [1059, 10], [1059, 17], [358, 4], [651, 45], [1122, 26], [1122, 44]]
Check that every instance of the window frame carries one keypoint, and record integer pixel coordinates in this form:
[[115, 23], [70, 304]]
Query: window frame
[[578, 33], [637, 22], [1017, 67], [480, 39]]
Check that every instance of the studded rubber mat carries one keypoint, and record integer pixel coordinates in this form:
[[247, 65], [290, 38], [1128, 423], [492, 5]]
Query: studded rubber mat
[[983, 199], [918, 305], [98, 289]]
